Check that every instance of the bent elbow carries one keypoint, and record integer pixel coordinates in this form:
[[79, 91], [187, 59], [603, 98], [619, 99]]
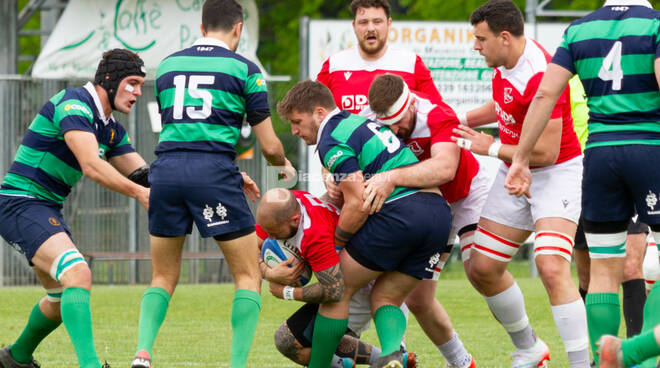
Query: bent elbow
[[549, 158]]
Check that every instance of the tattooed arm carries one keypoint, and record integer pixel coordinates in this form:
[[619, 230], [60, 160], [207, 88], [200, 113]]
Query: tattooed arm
[[329, 289]]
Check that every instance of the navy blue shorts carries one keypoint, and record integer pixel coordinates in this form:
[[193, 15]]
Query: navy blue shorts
[[26, 223], [406, 235], [619, 179], [205, 188]]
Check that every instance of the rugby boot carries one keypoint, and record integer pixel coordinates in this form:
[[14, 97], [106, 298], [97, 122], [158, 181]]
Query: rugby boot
[[7, 361], [472, 364], [536, 356], [392, 360], [141, 360]]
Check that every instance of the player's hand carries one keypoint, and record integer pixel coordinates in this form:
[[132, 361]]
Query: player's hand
[[250, 188], [285, 275], [472, 140], [143, 197], [518, 180], [334, 193], [276, 289], [376, 190]]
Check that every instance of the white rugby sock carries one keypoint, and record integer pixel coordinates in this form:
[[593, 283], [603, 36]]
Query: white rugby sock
[[375, 352], [571, 321], [336, 362], [454, 352], [509, 309]]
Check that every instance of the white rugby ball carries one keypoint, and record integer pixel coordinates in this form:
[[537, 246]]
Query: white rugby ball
[[274, 252]]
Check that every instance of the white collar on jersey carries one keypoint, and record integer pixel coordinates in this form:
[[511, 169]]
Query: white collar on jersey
[[628, 2], [210, 41], [305, 223], [325, 120], [97, 101]]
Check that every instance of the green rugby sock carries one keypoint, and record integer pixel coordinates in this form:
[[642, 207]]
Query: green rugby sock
[[152, 314], [37, 328], [603, 317], [77, 319], [651, 319], [637, 349], [390, 325], [325, 339], [244, 318]]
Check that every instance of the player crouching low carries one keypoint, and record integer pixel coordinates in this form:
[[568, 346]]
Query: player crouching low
[[308, 224]]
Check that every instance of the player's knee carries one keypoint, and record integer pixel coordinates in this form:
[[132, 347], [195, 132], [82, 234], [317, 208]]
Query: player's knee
[[553, 271], [71, 270], [285, 342]]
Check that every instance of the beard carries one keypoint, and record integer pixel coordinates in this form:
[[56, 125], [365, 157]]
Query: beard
[[372, 48]]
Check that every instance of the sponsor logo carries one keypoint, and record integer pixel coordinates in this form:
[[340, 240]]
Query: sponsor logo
[[507, 118], [53, 221], [565, 202], [208, 214], [434, 260], [507, 95], [415, 147], [112, 135], [101, 152], [651, 200], [68, 107], [261, 82], [353, 102], [347, 75], [334, 158]]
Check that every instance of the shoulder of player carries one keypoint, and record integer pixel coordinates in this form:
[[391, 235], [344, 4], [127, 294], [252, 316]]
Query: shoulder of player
[[77, 99], [532, 64]]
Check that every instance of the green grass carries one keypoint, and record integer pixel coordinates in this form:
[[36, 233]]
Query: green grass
[[197, 332]]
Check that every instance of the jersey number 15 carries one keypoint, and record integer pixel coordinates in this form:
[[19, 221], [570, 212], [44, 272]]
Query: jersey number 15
[[179, 96]]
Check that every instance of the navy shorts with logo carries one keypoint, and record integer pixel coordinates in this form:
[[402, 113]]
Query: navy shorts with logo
[[619, 179], [26, 223], [206, 188], [407, 235]]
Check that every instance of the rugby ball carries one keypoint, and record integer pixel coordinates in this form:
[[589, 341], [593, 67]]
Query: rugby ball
[[275, 251]]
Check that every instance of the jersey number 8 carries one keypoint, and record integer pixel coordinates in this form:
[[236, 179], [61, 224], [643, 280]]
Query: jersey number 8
[[179, 96]]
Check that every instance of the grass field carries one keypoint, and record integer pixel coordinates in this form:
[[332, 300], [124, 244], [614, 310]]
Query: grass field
[[197, 333]]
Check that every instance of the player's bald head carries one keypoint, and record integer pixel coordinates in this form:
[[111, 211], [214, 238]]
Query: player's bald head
[[277, 206]]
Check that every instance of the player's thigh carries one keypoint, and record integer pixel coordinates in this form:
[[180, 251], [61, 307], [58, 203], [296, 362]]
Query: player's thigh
[[605, 194], [422, 296], [166, 256], [242, 256]]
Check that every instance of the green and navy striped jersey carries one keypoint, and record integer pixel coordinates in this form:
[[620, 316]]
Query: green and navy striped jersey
[[613, 50], [203, 93], [348, 143], [44, 166]]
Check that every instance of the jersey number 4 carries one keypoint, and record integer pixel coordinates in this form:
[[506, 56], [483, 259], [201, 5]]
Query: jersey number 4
[[611, 68], [179, 96]]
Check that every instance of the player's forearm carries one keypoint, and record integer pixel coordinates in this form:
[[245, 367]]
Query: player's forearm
[[481, 115], [329, 289], [537, 157], [536, 120], [350, 221], [106, 175], [428, 173]]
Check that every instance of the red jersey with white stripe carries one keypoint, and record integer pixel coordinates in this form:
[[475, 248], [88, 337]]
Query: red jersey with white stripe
[[434, 123], [349, 76], [513, 90], [315, 238]]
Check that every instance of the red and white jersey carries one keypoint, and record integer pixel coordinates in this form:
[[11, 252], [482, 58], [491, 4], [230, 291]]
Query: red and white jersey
[[434, 123], [349, 76], [513, 91], [315, 238]]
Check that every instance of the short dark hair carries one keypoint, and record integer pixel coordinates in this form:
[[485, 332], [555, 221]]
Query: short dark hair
[[221, 15], [304, 97], [357, 4], [500, 15], [384, 91]]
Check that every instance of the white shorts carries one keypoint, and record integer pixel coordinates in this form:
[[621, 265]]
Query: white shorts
[[467, 211], [556, 192]]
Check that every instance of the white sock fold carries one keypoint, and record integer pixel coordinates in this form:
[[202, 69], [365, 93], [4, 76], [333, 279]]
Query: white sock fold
[[571, 321]]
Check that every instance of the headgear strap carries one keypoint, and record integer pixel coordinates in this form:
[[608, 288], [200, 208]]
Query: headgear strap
[[116, 65], [398, 108]]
